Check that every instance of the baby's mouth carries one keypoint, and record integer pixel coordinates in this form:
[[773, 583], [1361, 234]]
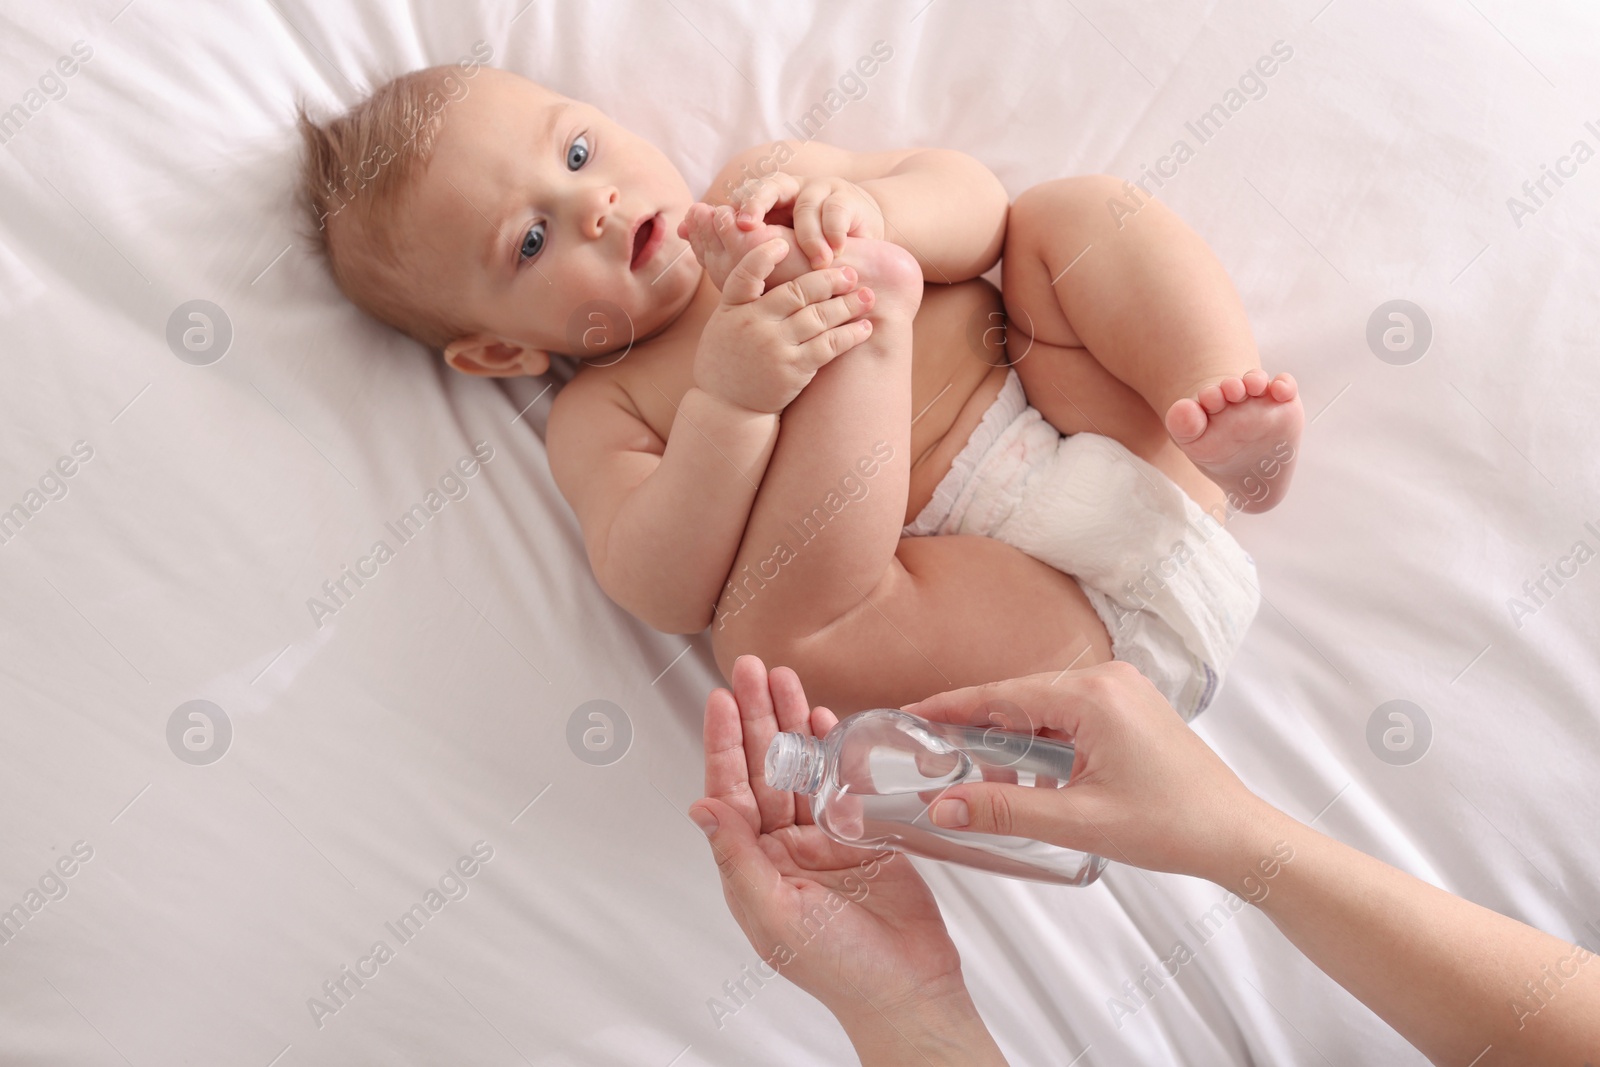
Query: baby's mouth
[[647, 238]]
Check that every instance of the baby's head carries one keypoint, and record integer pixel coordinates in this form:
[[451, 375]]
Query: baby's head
[[479, 213]]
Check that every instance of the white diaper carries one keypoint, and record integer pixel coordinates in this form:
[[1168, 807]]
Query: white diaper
[[1174, 589]]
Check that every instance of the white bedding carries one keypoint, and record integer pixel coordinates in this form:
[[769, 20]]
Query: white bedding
[[375, 746]]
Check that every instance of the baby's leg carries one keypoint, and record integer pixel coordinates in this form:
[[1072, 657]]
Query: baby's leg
[[1076, 394], [1140, 292], [823, 581], [833, 497], [945, 613]]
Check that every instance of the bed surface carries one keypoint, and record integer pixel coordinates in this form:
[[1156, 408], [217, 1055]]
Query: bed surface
[[426, 721]]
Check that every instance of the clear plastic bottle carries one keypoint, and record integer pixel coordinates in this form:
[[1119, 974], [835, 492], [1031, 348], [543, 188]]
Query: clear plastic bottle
[[874, 777]]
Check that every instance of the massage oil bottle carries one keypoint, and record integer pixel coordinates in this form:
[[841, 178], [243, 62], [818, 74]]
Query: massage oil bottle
[[874, 777]]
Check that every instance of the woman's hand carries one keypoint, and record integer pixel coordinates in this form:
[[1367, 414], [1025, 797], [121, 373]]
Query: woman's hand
[[822, 211], [1145, 789], [856, 928], [1456, 980]]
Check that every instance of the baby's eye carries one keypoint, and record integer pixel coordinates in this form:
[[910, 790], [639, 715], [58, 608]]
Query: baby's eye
[[578, 154], [532, 243]]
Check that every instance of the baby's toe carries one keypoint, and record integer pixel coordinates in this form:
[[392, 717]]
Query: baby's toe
[[1186, 420], [1284, 388], [1256, 382], [1211, 398], [1233, 389]]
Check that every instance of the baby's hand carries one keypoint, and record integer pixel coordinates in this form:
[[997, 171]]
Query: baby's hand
[[823, 211], [758, 351], [719, 245]]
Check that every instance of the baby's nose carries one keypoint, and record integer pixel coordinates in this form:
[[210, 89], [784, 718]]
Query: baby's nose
[[601, 203]]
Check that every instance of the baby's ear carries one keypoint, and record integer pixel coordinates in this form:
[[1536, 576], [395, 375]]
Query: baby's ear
[[494, 357]]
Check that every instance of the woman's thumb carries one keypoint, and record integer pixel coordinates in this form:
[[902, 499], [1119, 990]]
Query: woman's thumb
[[1013, 810], [740, 861]]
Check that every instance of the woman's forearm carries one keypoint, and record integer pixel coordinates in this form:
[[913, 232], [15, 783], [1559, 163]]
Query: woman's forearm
[[1464, 984], [938, 1032], [945, 208], [673, 540]]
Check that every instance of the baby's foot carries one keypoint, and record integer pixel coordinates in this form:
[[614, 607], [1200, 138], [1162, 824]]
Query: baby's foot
[[719, 244], [892, 273], [1244, 434]]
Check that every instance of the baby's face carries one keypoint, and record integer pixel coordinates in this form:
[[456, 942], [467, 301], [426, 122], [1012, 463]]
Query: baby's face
[[534, 205]]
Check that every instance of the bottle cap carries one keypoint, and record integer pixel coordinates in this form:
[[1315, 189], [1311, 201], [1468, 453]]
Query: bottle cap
[[795, 763]]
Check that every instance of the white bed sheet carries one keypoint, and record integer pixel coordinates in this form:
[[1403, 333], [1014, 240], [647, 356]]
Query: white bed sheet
[[370, 753]]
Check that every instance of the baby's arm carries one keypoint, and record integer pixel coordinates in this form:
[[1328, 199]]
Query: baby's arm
[[944, 207], [662, 520]]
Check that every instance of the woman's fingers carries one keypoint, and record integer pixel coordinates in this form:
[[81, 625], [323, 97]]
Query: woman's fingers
[[793, 716], [749, 880], [822, 720], [727, 771], [789, 700], [964, 705], [1007, 775], [1145, 789], [759, 719], [1053, 815], [1052, 699]]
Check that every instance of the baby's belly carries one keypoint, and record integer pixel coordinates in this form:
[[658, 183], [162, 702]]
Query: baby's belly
[[958, 365]]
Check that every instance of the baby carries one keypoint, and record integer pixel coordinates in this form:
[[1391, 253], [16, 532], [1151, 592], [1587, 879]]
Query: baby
[[783, 390]]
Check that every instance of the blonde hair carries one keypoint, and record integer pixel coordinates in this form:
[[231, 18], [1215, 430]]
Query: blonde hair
[[364, 162]]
